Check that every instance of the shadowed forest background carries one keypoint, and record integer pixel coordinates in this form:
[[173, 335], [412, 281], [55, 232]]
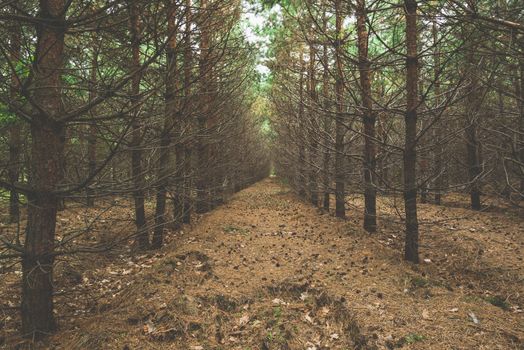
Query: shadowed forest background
[[212, 174]]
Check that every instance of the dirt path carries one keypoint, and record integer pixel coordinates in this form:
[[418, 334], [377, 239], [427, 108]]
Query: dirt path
[[266, 271]]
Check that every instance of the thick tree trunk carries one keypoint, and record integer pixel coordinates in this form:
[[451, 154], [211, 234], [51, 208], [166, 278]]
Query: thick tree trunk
[[340, 203], [48, 139], [368, 117], [410, 145], [15, 142], [137, 172]]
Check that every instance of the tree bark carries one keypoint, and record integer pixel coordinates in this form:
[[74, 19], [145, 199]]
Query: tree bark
[[520, 144], [300, 143], [368, 118], [15, 142], [137, 171], [187, 169], [202, 177], [410, 144], [313, 144], [48, 139], [327, 120], [91, 137], [167, 129], [340, 210], [439, 149]]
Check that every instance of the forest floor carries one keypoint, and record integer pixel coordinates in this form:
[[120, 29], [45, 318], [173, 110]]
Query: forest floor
[[267, 271]]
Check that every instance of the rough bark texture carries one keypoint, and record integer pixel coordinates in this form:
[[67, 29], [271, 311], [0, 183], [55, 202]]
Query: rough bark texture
[[368, 118], [410, 145], [137, 171], [340, 210], [48, 139]]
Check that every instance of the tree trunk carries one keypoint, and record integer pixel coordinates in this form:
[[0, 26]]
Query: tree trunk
[[48, 139], [340, 210], [368, 118], [137, 172], [91, 138], [187, 185], [202, 177], [327, 121], [300, 132], [186, 172], [178, 196], [170, 117], [520, 144], [437, 129], [313, 144], [15, 142], [410, 144]]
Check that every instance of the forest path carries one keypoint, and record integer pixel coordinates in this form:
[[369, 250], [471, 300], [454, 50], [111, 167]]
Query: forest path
[[267, 271]]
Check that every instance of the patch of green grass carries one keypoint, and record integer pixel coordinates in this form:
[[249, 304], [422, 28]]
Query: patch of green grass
[[413, 338], [277, 312], [498, 301]]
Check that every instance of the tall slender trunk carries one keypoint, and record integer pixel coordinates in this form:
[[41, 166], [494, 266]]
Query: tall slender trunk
[[471, 117], [188, 185], [48, 139], [437, 129], [327, 119], [170, 114], [340, 210], [410, 144], [520, 144], [186, 173], [368, 118], [202, 177], [471, 133], [91, 137], [137, 171], [313, 144], [15, 142], [300, 176]]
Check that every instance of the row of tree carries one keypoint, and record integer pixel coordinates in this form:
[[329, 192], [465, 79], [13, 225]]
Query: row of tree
[[104, 99], [411, 97]]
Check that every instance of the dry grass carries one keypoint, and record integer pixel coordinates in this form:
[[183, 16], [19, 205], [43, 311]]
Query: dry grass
[[266, 271]]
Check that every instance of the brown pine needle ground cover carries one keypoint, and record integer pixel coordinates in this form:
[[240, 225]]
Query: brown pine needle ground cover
[[266, 271]]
